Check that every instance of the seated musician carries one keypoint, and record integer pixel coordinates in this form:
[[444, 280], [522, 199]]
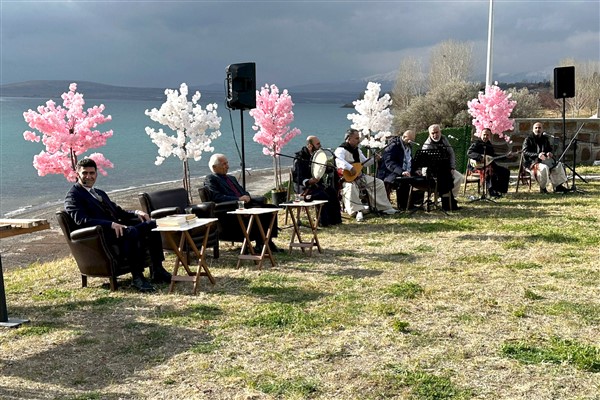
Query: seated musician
[[395, 168], [449, 180], [350, 160], [482, 153], [306, 184], [224, 187], [540, 162]]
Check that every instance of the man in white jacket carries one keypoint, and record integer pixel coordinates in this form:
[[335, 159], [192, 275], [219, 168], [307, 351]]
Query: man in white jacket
[[351, 160]]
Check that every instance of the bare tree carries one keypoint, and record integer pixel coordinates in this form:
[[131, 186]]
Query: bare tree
[[450, 61], [528, 104], [445, 105], [410, 83]]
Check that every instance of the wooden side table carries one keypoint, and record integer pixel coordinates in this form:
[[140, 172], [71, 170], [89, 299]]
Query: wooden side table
[[254, 214], [181, 258], [294, 210]]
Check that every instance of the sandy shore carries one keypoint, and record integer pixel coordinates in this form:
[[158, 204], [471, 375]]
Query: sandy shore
[[48, 245]]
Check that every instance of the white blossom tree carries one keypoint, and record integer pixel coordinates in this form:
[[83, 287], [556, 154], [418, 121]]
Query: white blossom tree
[[373, 119], [190, 123]]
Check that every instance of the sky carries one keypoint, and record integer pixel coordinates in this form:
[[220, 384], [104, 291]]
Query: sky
[[164, 43]]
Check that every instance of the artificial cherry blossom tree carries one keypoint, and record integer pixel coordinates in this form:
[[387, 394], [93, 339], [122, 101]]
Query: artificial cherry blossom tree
[[190, 123], [272, 116], [67, 132], [373, 120], [492, 110]]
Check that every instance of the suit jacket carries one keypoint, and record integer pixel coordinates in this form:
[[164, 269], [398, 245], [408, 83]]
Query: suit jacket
[[219, 189], [87, 211], [392, 161]]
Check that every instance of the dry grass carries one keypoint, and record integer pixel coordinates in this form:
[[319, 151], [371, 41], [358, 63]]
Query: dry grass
[[497, 301]]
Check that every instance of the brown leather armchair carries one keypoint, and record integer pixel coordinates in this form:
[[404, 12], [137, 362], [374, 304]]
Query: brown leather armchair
[[175, 201], [93, 255]]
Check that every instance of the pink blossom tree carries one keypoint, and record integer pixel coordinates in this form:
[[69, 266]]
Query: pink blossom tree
[[492, 110], [272, 116], [67, 132]]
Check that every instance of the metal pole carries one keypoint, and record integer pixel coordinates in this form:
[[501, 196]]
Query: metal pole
[[243, 151], [490, 46], [4, 320]]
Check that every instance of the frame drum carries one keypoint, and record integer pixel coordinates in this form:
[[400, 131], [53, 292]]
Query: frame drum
[[318, 164]]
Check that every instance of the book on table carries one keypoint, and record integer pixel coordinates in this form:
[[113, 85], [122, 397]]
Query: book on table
[[176, 220]]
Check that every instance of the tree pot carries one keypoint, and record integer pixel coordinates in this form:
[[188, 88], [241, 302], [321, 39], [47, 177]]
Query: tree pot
[[278, 197]]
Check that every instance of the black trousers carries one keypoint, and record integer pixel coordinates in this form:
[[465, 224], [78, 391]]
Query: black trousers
[[136, 242]]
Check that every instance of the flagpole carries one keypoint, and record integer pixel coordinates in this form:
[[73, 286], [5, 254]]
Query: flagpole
[[490, 46]]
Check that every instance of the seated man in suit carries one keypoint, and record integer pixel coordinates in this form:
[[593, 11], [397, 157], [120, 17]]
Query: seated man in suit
[[397, 163], [307, 184], [496, 176], [223, 187], [90, 207]]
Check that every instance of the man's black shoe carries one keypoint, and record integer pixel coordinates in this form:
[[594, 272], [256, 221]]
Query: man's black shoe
[[560, 189], [160, 275], [494, 193], [543, 191], [141, 284]]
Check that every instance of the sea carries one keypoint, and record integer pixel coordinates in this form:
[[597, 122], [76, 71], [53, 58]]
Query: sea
[[133, 154]]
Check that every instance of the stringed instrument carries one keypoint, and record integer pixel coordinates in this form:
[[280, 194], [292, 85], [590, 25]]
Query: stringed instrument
[[489, 159], [358, 166], [348, 176]]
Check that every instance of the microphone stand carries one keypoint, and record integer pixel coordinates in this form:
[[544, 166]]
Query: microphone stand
[[573, 143]]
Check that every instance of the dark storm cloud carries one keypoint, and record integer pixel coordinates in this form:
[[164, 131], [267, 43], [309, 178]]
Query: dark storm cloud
[[152, 43]]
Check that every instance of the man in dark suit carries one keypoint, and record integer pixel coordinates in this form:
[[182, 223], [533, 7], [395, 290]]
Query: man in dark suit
[[131, 231], [396, 163], [223, 188]]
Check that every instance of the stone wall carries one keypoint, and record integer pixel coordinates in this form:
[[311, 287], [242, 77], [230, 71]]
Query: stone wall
[[588, 139]]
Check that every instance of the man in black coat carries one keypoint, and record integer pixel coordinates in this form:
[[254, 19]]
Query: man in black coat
[[483, 154], [539, 160], [131, 231], [396, 163], [223, 187], [308, 185]]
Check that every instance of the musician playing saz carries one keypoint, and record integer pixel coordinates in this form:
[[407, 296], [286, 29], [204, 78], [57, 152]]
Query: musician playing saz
[[307, 184], [540, 162], [349, 159], [483, 154]]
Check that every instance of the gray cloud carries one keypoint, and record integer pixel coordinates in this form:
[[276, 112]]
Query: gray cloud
[[164, 43]]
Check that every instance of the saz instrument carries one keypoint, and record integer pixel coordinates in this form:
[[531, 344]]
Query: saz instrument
[[358, 166], [490, 159], [348, 176]]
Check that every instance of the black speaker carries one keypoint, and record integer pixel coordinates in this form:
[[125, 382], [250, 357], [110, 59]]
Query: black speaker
[[241, 86], [564, 82]]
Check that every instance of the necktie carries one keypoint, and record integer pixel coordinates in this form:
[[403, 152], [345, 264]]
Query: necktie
[[232, 186], [96, 195]]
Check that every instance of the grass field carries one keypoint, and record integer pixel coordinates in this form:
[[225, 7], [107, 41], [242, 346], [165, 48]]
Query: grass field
[[496, 301]]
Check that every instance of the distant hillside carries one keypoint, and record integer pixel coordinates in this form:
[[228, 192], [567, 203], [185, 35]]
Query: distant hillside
[[53, 89]]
